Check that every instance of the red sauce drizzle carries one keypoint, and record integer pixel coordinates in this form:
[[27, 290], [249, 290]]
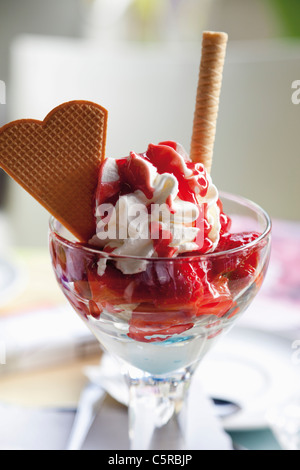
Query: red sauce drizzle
[[135, 175]]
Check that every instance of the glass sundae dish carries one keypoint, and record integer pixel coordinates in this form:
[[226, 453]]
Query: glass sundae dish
[[160, 314]]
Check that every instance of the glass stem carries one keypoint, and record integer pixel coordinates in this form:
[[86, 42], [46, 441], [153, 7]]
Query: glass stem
[[157, 411]]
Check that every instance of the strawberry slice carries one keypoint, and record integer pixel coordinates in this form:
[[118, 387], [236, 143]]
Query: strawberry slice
[[153, 326], [239, 268], [183, 293], [217, 298], [229, 241], [244, 263], [137, 175], [111, 286]]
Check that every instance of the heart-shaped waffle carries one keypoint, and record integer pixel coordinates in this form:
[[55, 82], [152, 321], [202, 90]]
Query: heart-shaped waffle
[[57, 161]]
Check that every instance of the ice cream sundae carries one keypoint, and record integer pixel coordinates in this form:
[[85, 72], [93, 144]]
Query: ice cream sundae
[[162, 261]]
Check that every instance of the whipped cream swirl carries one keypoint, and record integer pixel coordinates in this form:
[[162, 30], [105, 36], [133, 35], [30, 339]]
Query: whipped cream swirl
[[156, 204]]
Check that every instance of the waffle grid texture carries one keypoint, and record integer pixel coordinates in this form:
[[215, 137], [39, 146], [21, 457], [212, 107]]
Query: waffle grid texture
[[208, 97], [57, 161]]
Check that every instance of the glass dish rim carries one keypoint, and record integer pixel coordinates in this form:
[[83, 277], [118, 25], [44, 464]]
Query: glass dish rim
[[223, 194]]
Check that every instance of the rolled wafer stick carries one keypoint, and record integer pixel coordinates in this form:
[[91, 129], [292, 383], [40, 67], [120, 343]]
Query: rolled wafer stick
[[208, 94]]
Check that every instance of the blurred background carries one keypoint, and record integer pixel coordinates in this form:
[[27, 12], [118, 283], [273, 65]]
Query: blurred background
[[140, 59]]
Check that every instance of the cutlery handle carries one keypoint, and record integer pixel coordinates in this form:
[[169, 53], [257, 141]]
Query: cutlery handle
[[89, 404]]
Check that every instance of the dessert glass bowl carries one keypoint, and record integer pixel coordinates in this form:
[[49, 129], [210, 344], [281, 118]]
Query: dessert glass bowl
[[161, 322]]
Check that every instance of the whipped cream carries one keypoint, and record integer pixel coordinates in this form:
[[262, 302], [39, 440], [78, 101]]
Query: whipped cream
[[156, 204]]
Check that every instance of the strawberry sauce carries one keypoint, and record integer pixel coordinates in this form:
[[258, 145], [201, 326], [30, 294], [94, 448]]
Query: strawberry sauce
[[169, 294]]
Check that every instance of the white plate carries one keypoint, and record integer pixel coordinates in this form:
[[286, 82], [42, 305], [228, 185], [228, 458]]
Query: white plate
[[254, 369]]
